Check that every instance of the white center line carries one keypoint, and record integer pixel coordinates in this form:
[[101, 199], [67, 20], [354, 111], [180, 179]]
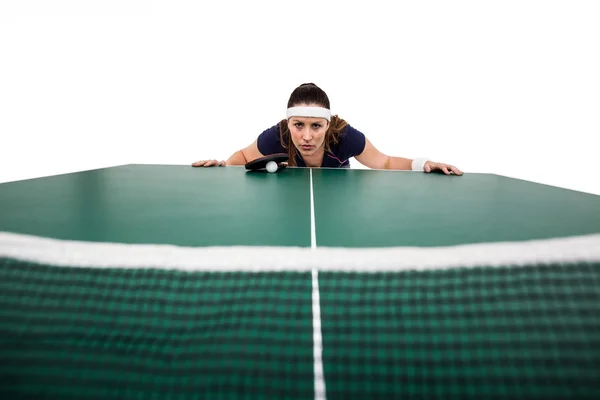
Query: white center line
[[316, 308], [317, 339]]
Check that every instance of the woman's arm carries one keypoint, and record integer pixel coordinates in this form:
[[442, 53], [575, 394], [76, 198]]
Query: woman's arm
[[373, 158]]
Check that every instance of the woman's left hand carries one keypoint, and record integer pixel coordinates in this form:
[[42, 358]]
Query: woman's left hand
[[447, 169]]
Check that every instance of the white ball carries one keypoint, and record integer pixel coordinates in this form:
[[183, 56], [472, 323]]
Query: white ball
[[271, 166]]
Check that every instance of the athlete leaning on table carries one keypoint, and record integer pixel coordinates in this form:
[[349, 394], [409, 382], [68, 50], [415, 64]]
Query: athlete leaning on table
[[321, 140]]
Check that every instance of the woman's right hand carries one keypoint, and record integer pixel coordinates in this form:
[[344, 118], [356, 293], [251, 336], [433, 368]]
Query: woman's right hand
[[208, 163]]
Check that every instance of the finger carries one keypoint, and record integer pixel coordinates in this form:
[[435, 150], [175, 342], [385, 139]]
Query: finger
[[198, 163], [221, 163], [456, 170], [445, 169], [427, 168], [211, 163]]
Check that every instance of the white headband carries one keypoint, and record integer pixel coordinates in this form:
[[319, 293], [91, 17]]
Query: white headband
[[316, 112]]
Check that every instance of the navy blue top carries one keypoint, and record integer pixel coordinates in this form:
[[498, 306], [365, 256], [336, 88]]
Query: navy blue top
[[350, 143]]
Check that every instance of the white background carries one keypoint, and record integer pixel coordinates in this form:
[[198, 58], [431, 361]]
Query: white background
[[505, 87]]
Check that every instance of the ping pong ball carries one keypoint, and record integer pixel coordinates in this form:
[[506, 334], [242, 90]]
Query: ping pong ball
[[271, 166]]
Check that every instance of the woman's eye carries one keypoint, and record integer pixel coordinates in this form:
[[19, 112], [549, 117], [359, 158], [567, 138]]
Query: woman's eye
[[316, 126], [298, 125]]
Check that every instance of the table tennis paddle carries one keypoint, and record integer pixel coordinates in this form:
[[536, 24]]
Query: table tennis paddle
[[261, 163]]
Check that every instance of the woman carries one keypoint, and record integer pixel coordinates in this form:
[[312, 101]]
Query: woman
[[312, 137]]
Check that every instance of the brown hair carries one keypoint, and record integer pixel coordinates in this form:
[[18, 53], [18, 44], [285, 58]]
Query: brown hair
[[309, 93]]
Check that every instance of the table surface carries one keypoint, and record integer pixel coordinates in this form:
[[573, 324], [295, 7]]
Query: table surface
[[228, 206]]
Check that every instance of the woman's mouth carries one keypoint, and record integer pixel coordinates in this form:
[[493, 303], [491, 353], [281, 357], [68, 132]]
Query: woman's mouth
[[306, 147]]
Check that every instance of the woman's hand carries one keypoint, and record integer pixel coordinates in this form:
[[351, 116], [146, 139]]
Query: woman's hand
[[445, 168], [208, 163]]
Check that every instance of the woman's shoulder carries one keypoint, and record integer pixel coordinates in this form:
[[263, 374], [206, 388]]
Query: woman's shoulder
[[349, 143], [350, 132], [345, 130], [351, 140], [269, 141]]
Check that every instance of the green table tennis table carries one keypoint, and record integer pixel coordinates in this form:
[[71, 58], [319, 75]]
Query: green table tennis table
[[173, 282]]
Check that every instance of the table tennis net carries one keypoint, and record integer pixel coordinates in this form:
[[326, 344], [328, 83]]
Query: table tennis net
[[173, 323]]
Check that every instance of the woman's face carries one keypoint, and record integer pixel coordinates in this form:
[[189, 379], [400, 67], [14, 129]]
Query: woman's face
[[308, 134]]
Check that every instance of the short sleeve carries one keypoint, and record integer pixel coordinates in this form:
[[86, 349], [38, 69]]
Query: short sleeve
[[352, 143], [269, 141]]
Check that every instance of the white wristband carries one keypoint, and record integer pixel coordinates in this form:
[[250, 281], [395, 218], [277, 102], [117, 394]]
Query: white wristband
[[418, 164]]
